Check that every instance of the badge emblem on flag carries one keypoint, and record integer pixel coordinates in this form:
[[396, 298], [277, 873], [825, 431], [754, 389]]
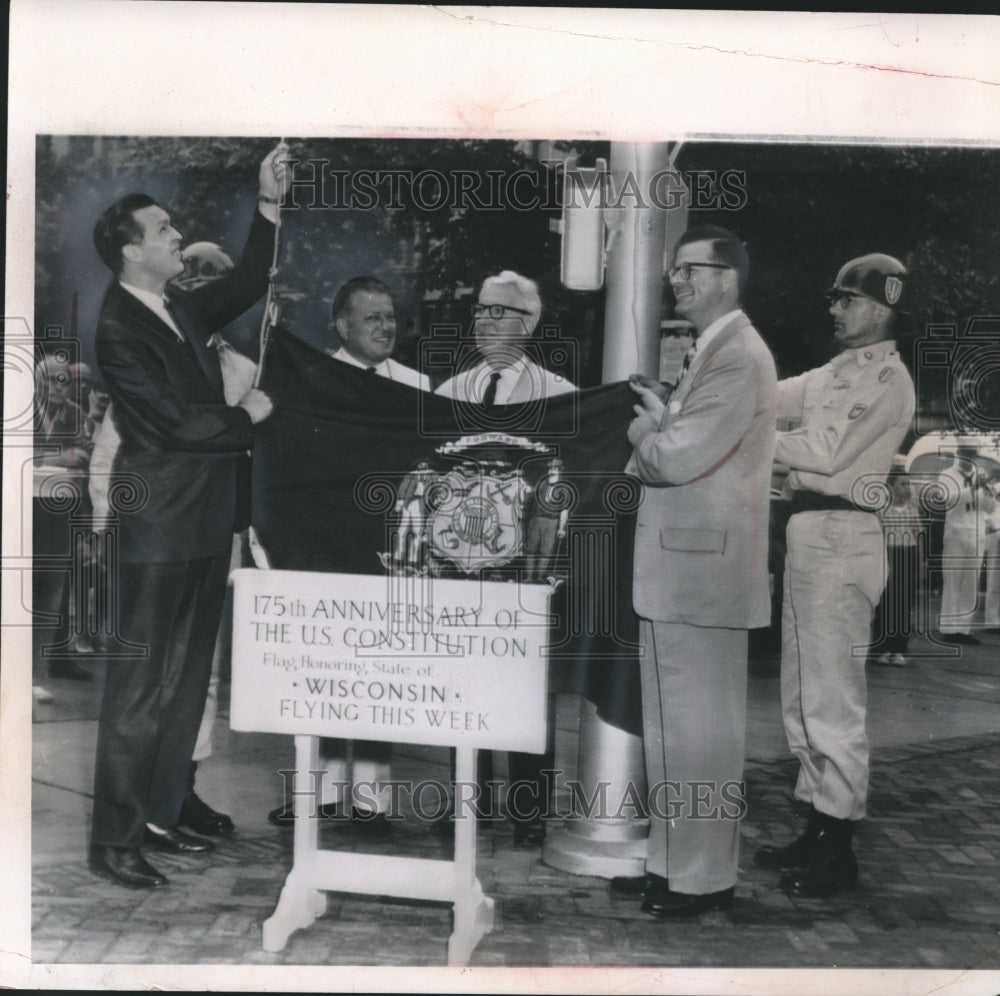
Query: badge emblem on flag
[[469, 517], [893, 289], [478, 523]]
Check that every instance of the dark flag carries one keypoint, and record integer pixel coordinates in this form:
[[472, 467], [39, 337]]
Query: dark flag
[[333, 472]]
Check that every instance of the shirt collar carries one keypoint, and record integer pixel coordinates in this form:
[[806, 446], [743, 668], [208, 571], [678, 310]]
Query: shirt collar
[[514, 369], [382, 369], [155, 302], [863, 355]]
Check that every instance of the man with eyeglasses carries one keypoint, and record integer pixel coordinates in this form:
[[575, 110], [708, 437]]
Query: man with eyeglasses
[[505, 316], [703, 453], [854, 413]]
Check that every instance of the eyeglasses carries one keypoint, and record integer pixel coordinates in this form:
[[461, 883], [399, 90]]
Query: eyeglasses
[[495, 310], [684, 270], [842, 299]]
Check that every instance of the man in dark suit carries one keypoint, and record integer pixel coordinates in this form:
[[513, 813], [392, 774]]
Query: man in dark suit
[[178, 456], [700, 577]]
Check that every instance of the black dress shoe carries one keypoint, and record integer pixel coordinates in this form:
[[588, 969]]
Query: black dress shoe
[[637, 885], [529, 834], [666, 903], [69, 671], [198, 815], [284, 816], [174, 840], [124, 866]]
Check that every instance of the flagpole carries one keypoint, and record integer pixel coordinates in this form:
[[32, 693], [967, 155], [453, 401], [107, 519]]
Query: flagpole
[[587, 844], [272, 309]]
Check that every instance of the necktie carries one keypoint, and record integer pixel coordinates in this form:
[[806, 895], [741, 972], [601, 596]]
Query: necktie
[[490, 395], [369, 370], [168, 307], [688, 357]]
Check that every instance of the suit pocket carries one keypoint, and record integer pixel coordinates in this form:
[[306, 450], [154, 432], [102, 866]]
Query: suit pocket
[[693, 540]]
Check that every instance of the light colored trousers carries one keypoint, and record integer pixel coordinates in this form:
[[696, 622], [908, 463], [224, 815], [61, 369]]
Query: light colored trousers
[[694, 707], [834, 575], [960, 559]]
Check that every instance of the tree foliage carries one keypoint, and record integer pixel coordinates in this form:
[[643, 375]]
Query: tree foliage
[[808, 209]]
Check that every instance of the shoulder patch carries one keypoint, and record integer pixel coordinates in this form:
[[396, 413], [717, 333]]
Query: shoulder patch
[[885, 375], [857, 411]]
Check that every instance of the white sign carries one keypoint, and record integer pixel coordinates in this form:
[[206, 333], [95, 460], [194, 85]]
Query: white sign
[[406, 659]]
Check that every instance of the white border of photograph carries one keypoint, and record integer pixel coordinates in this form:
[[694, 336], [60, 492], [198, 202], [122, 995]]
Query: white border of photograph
[[263, 69]]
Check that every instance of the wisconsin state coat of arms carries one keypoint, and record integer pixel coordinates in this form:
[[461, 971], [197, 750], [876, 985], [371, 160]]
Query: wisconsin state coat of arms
[[473, 508]]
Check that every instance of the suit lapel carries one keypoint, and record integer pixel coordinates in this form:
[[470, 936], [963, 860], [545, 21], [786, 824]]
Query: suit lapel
[[136, 313], [704, 356], [205, 355]]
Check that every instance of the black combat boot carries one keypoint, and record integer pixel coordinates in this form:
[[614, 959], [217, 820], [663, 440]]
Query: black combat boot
[[793, 855], [832, 867]]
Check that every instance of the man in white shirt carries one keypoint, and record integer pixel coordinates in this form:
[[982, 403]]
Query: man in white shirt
[[365, 319], [965, 542], [505, 316]]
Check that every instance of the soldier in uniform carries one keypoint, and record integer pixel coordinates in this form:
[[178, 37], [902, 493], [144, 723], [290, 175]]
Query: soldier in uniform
[[853, 414]]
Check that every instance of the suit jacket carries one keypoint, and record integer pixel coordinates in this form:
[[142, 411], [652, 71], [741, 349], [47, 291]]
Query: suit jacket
[[180, 440], [702, 528]]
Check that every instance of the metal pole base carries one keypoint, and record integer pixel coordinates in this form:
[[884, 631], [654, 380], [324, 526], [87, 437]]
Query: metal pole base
[[604, 836]]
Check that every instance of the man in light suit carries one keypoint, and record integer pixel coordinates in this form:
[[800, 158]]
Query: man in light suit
[[704, 454], [179, 450], [364, 316]]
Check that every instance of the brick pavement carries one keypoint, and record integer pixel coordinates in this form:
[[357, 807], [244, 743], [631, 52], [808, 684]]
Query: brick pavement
[[927, 897]]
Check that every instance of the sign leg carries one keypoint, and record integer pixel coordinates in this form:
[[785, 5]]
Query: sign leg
[[298, 904], [473, 911]]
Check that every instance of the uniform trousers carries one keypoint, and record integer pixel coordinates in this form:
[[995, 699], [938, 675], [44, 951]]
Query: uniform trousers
[[961, 557], [152, 707], [694, 699], [834, 575]]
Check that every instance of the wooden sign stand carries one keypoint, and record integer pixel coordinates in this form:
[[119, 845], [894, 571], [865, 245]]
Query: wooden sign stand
[[444, 662], [315, 871]]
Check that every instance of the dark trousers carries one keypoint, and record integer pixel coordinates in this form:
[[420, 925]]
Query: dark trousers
[[893, 622], [58, 571], [152, 707]]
